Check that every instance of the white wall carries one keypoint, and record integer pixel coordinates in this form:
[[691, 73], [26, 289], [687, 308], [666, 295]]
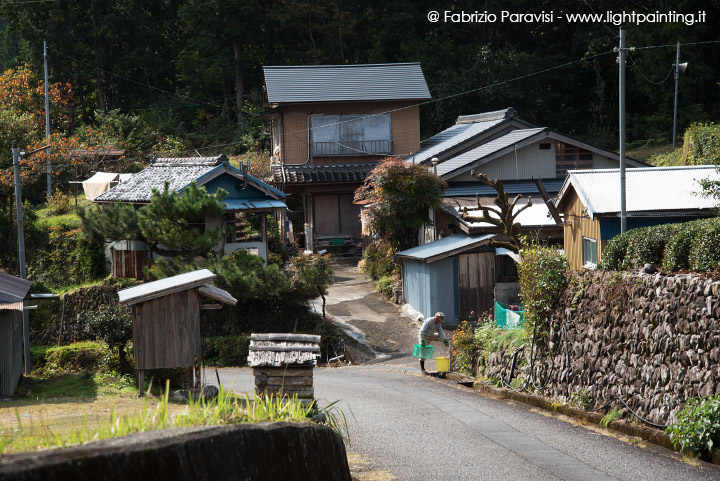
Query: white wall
[[531, 162]]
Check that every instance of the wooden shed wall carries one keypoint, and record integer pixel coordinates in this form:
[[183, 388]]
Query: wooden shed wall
[[129, 263], [578, 225], [405, 128], [166, 331], [476, 279], [10, 351]]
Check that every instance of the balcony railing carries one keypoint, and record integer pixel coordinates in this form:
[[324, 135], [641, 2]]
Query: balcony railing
[[352, 147]]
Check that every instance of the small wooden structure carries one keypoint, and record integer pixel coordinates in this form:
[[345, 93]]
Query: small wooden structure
[[283, 364], [166, 321], [13, 290]]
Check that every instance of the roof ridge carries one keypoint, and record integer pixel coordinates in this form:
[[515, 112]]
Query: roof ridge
[[342, 65], [506, 114]]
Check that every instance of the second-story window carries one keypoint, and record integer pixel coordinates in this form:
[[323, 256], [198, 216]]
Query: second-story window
[[351, 134]]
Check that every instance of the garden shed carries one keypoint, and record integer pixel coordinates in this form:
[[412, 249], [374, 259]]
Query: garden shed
[[166, 320], [13, 290], [454, 275]]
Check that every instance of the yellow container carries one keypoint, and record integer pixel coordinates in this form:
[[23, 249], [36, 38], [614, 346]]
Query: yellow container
[[442, 364]]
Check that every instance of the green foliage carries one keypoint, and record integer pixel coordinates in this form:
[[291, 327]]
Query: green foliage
[[69, 258], [115, 221], [78, 357], [697, 426], [690, 245], [112, 324], [543, 278], [224, 351], [313, 275], [471, 344], [378, 260], [582, 399], [177, 222], [384, 285], [58, 203], [401, 197], [609, 417], [701, 144]]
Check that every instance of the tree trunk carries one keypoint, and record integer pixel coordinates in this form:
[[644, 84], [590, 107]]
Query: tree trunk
[[239, 87], [98, 71]]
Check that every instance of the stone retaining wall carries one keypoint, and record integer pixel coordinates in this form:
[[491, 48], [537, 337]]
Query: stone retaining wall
[[286, 451], [651, 339]]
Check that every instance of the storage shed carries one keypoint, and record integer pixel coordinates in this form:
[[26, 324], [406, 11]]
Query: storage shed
[[283, 364], [13, 291], [166, 320], [454, 275]]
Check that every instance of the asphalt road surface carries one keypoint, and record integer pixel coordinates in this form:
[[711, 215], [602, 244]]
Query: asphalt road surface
[[413, 427]]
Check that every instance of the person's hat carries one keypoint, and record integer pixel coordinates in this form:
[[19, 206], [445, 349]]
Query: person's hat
[[440, 316]]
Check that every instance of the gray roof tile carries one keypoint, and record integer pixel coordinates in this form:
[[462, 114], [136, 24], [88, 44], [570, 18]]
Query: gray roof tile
[[318, 174], [345, 83]]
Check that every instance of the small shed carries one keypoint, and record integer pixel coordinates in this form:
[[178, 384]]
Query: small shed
[[13, 290], [283, 364], [454, 275], [166, 320]]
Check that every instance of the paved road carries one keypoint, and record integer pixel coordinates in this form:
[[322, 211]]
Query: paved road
[[416, 428]]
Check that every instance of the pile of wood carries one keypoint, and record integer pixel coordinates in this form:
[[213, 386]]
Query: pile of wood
[[283, 364]]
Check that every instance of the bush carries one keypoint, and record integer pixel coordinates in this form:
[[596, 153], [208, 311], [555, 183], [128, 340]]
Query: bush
[[384, 285], [58, 203], [697, 426], [471, 344], [647, 245], [542, 282], [112, 324], [78, 357], [677, 249], [223, 351], [379, 261], [705, 253]]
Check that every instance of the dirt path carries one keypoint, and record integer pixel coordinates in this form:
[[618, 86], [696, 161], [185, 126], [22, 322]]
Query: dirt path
[[382, 329]]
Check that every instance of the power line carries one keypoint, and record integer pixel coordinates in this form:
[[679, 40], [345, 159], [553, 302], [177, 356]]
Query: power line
[[28, 1], [637, 69], [427, 102], [673, 45]]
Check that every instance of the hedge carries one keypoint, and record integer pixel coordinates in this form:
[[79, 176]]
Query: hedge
[[689, 245]]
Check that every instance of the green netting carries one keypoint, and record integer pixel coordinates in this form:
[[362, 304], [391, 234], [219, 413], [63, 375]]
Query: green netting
[[506, 318], [424, 352]]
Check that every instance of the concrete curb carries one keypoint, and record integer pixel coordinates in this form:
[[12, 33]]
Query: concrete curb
[[649, 434]]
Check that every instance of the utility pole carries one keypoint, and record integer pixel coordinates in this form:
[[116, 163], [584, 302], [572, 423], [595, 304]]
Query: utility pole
[[47, 121], [21, 253], [623, 210], [677, 78]]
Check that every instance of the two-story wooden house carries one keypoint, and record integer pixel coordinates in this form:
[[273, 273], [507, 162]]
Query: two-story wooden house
[[331, 125]]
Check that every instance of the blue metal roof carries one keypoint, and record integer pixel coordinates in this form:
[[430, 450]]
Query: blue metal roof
[[512, 187], [345, 83], [455, 243], [245, 204], [450, 138]]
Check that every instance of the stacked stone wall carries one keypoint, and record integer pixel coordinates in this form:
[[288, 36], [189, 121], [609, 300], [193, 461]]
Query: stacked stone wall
[[652, 340]]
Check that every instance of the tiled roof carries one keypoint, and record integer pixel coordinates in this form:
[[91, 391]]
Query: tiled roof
[[319, 174], [345, 83], [649, 189]]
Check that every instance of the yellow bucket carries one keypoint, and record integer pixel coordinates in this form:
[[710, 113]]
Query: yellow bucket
[[442, 364]]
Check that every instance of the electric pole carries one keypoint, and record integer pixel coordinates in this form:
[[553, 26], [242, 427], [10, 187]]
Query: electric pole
[[47, 121], [623, 210], [21, 253], [677, 78]]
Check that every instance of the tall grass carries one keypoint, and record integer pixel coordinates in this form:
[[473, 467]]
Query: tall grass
[[226, 408]]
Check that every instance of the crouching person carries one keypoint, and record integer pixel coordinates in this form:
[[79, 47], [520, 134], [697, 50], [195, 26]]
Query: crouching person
[[431, 326]]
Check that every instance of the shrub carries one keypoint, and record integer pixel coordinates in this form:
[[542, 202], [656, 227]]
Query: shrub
[[697, 426], [647, 245], [222, 351], [58, 203], [384, 285], [705, 254], [615, 251], [78, 357], [379, 261], [677, 250], [112, 324], [471, 344], [542, 282]]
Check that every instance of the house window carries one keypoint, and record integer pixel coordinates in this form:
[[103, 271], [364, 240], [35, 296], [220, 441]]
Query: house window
[[544, 146], [351, 134], [242, 227], [569, 157], [589, 252]]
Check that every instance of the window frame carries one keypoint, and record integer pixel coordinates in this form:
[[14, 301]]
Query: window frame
[[587, 262]]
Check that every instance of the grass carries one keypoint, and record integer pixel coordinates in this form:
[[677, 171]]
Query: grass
[[610, 416]]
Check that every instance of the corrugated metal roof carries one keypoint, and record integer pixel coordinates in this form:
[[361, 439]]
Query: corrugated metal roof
[[447, 245], [449, 138], [345, 83], [163, 287], [512, 187], [243, 204], [319, 174], [648, 189], [13, 288], [454, 163]]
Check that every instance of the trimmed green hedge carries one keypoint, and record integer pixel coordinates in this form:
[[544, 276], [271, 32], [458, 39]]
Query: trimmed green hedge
[[78, 357], [686, 246]]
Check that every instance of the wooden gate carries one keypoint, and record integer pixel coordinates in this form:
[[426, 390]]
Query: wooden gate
[[129, 263], [476, 279]]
